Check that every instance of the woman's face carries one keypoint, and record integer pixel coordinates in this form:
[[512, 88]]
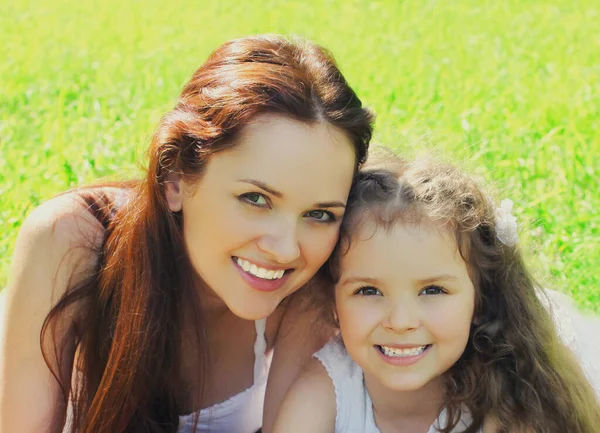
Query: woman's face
[[266, 213]]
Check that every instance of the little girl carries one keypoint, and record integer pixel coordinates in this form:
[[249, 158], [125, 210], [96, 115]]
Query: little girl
[[441, 326]]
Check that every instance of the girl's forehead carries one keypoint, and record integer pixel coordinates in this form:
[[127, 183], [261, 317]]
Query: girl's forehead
[[411, 249]]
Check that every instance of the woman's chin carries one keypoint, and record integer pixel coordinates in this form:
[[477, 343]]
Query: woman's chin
[[253, 310]]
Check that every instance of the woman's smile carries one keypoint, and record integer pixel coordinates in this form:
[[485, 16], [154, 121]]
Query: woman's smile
[[260, 278]]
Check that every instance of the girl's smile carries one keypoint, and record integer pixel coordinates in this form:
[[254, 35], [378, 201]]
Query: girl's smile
[[404, 303], [402, 355]]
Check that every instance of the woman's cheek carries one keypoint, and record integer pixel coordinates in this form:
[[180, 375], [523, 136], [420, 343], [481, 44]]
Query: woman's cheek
[[321, 245]]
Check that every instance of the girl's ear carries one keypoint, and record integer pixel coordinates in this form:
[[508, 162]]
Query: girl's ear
[[173, 192]]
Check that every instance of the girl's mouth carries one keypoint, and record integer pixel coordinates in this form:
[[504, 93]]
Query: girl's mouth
[[397, 352], [402, 356]]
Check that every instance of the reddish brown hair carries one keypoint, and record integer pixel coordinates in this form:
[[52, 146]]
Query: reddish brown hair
[[128, 324], [514, 367]]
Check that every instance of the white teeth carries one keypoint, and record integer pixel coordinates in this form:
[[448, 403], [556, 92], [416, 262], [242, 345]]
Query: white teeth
[[251, 268], [262, 273], [397, 352], [244, 264]]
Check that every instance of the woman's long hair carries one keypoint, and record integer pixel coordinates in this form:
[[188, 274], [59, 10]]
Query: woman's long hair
[[127, 326], [514, 369]]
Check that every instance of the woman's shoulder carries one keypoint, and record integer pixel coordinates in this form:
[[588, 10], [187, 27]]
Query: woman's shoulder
[[55, 250], [62, 223], [57, 245], [71, 219]]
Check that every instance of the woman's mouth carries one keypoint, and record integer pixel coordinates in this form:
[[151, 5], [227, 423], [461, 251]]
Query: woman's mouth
[[259, 278], [257, 271]]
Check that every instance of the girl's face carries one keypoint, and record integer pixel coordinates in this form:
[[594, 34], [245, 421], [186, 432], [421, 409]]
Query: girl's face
[[404, 304], [266, 213]]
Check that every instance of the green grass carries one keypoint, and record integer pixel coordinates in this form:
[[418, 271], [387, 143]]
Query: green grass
[[509, 87]]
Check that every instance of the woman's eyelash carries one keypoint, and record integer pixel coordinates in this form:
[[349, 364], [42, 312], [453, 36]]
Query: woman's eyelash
[[317, 215], [254, 199]]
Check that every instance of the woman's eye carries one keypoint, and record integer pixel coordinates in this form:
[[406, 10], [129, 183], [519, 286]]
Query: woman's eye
[[433, 290], [255, 199], [368, 291], [321, 216]]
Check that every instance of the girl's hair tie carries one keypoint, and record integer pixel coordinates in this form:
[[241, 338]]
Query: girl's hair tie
[[506, 224]]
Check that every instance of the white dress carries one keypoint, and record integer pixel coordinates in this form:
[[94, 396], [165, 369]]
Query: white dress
[[354, 406]]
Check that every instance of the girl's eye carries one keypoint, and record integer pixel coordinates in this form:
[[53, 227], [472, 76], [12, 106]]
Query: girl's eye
[[322, 216], [368, 291], [255, 199], [433, 290]]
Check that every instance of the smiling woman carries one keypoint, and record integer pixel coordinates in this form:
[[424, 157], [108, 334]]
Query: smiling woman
[[160, 301], [255, 206]]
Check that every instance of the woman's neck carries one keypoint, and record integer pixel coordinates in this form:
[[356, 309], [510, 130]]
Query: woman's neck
[[412, 411]]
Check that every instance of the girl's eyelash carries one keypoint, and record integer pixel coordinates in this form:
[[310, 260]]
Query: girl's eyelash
[[439, 290], [367, 291]]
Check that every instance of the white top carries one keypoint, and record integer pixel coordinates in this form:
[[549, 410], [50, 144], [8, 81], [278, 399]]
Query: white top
[[354, 406], [241, 413]]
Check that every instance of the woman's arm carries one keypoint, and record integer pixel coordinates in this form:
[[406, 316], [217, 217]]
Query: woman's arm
[[302, 333], [52, 252], [309, 405]]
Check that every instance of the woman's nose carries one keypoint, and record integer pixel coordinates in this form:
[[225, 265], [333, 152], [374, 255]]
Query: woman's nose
[[281, 242]]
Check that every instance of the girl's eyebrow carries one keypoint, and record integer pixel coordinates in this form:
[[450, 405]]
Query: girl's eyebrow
[[279, 194], [441, 277], [359, 279]]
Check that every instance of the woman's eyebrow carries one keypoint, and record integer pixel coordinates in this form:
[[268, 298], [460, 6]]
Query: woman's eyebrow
[[263, 186], [279, 194], [331, 204]]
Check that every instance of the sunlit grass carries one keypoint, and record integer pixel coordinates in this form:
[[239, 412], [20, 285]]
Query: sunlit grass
[[510, 88]]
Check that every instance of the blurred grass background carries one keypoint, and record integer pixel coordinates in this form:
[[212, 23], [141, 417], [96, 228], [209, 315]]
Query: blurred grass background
[[511, 89]]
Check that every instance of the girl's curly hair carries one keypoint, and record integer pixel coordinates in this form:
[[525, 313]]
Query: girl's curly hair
[[514, 368]]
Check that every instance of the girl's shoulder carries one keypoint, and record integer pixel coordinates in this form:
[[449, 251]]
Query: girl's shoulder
[[310, 403], [340, 367], [354, 409]]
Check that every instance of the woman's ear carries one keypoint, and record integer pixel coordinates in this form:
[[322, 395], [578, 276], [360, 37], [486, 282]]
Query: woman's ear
[[173, 192]]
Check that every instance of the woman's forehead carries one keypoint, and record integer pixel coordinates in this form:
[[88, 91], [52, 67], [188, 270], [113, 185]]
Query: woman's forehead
[[312, 160]]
